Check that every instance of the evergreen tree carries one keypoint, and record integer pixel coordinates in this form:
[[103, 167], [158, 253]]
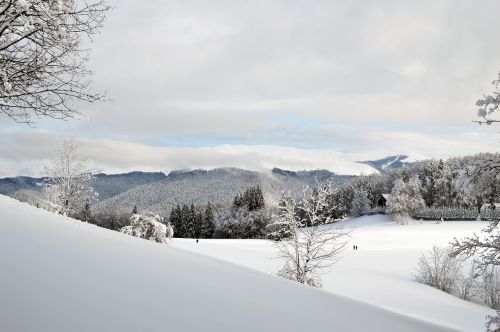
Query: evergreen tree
[[252, 198], [86, 211], [238, 201], [208, 226], [190, 221], [176, 221], [185, 220], [198, 224]]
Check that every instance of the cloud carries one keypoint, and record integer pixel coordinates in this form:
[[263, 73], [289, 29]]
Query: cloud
[[19, 157], [365, 77]]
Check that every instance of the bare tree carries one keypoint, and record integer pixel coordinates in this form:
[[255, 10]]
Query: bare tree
[[70, 184], [484, 250], [467, 286], [491, 287], [42, 62], [309, 250], [438, 269]]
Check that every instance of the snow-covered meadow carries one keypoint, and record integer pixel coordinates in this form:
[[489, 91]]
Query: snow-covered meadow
[[380, 272], [64, 275]]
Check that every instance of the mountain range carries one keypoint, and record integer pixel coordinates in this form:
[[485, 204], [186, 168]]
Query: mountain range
[[158, 192]]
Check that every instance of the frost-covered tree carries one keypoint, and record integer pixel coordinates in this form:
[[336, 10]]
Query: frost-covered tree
[[70, 180], [42, 62], [406, 199], [442, 185], [149, 227], [280, 228], [309, 250], [485, 249], [438, 269], [489, 104], [317, 208], [240, 223], [360, 203], [252, 198]]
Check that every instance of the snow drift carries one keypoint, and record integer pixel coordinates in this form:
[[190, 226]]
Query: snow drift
[[64, 275]]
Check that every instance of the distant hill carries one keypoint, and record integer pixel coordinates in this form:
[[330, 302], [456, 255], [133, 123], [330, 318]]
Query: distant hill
[[106, 185], [218, 186], [387, 164], [157, 192]]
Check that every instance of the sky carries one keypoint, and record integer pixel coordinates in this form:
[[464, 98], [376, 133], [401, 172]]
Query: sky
[[293, 84]]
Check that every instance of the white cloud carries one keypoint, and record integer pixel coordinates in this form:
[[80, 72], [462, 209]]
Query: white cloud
[[18, 157], [381, 78]]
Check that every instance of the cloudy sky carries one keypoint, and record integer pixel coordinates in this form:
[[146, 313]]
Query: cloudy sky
[[296, 84]]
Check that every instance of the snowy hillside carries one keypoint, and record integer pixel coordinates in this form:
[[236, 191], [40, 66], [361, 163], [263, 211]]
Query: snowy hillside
[[389, 163], [64, 275], [218, 186], [380, 272]]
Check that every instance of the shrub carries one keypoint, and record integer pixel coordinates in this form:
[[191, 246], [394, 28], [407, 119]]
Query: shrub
[[438, 269], [149, 228]]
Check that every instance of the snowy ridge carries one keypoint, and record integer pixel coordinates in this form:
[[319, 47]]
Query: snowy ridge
[[63, 275]]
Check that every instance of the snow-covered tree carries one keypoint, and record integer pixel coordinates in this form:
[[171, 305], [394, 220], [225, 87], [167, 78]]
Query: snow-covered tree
[[280, 228], [316, 208], [149, 227], [360, 203], [485, 249], [309, 250], [406, 199], [70, 183], [42, 63], [489, 104], [442, 185]]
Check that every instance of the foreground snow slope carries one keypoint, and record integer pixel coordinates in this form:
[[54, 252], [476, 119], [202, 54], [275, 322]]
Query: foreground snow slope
[[64, 275], [380, 272]]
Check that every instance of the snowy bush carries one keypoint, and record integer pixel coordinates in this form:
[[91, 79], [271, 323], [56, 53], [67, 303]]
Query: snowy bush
[[148, 227], [438, 269], [446, 213]]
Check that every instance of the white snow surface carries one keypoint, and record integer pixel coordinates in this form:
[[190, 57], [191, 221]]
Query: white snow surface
[[380, 272], [58, 274]]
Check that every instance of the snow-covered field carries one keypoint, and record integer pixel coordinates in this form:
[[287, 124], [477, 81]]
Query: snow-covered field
[[63, 275], [380, 272]]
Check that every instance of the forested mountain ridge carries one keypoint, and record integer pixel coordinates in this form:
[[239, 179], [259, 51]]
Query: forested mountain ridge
[[218, 186]]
